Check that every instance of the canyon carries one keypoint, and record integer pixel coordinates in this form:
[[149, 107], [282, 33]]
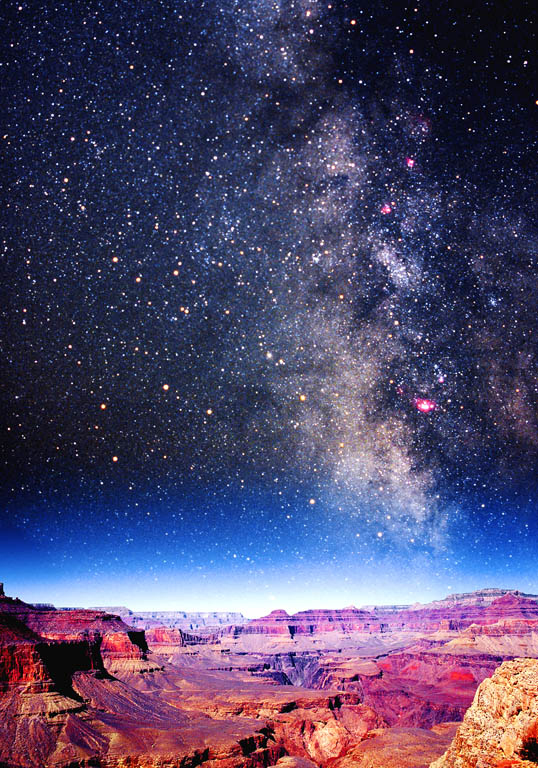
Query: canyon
[[374, 686]]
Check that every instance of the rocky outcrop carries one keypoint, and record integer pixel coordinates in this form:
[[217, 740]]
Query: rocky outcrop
[[165, 638], [105, 637], [40, 665], [501, 726], [295, 762], [326, 730]]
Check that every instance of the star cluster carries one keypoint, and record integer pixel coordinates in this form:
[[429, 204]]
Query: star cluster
[[269, 266]]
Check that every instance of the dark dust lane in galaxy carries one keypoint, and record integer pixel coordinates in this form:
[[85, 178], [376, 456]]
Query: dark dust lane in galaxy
[[268, 301]]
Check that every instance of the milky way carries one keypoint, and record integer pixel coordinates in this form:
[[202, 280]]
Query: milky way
[[268, 294]]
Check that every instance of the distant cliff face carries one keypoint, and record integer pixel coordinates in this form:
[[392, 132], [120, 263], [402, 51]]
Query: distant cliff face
[[481, 597], [500, 729], [443, 615], [457, 612], [187, 621]]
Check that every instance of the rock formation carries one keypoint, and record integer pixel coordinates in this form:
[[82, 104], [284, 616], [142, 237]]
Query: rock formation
[[101, 633], [61, 706], [481, 597], [501, 726]]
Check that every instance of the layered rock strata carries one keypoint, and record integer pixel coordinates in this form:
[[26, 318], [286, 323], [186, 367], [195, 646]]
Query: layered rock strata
[[453, 616], [102, 635], [187, 621]]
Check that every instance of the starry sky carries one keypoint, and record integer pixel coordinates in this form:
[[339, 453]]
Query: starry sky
[[267, 302]]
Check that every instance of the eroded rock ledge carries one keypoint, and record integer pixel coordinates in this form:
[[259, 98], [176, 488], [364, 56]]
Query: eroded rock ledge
[[500, 729]]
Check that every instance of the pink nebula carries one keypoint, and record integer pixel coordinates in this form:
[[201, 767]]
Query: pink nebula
[[424, 405]]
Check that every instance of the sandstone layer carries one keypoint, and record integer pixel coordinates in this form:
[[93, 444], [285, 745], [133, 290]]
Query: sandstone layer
[[397, 748]]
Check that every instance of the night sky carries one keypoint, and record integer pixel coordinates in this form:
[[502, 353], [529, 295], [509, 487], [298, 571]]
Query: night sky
[[269, 321]]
